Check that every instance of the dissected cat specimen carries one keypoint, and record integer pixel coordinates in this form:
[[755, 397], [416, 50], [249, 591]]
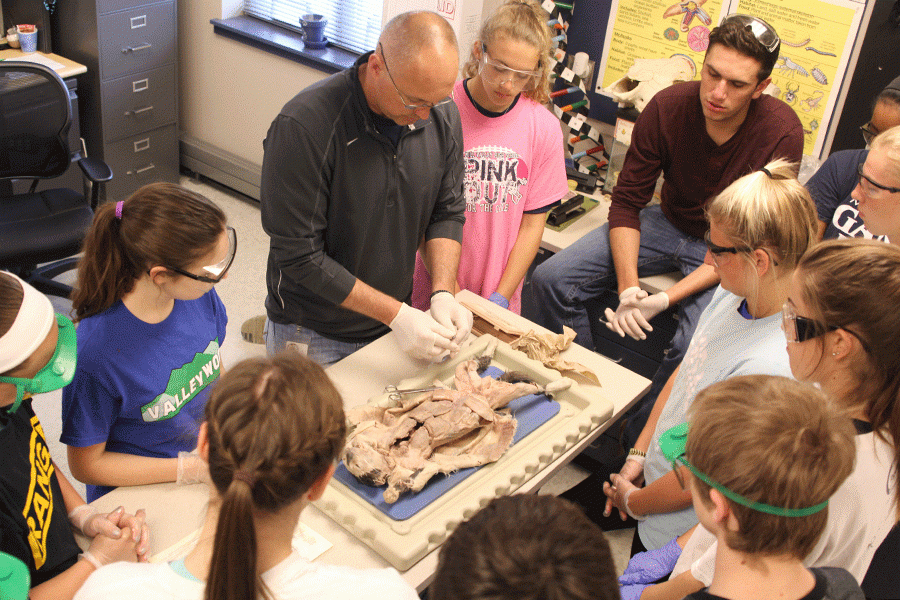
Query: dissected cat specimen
[[404, 444]]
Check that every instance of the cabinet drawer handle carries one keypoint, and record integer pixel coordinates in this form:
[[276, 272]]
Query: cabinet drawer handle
[[140, 85], [130, 49], [137, 22], [138, 111], [141, 145], [149, 167]]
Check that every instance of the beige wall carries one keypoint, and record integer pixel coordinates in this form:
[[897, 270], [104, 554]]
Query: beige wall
[[230, 92]]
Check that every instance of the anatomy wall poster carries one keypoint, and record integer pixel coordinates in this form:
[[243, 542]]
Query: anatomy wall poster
[[655, 29], [817, 38]]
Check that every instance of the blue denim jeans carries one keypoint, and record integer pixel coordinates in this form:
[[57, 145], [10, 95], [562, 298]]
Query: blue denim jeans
[[319, 348], [584, 270]]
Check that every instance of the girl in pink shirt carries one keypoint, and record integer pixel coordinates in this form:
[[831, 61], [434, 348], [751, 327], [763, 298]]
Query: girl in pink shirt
[[513, 155]]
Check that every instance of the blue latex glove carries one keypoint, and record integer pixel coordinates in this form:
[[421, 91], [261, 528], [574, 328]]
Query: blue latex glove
[[499, 299], [647, 567], [632, 592]]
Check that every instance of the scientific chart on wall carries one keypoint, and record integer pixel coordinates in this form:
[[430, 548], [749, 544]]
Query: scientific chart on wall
[[655, 29], [817, 39]]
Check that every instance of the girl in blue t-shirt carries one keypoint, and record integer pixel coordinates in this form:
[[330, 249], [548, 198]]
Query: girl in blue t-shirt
[[150, 329]]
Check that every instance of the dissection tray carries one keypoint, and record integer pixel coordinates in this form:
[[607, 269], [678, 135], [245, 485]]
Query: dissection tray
[[403, 543]]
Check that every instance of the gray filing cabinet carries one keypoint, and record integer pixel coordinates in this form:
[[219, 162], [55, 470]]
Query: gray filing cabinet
[[129, 95]]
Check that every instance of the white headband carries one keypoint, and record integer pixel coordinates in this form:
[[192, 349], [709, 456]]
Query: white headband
[[32, 324]]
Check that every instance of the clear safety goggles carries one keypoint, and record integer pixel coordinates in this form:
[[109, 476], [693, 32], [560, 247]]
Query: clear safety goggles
[[215, 273], [58, 371], [497, 73], [673, 443], [762, 31]]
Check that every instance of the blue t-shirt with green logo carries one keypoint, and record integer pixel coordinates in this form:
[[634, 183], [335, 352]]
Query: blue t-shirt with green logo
[[141, 387]]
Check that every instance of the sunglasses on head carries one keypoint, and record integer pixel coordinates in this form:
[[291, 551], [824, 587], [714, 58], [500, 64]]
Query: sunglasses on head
[[762, 31]]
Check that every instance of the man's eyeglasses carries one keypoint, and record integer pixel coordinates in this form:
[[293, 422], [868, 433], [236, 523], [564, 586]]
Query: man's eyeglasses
[[497, 73], [717, 250], [762, 31], [863, 176], [410, 107], [799, 329], [215, 273], [868, 133]]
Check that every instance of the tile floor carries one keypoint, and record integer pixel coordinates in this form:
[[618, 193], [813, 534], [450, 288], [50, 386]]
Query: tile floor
[[243, 293]]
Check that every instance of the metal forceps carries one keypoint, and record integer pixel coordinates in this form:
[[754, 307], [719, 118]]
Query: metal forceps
[[395, 394]]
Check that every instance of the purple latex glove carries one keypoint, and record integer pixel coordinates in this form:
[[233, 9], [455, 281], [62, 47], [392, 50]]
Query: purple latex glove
[[633, 591], [647, 567], [499, 299]]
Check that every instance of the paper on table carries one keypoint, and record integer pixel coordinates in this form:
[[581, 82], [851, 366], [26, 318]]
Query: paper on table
[[41, 60], [308, 543], [544, 347]]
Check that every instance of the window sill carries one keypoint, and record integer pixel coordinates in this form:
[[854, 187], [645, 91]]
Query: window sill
[[283, 42]]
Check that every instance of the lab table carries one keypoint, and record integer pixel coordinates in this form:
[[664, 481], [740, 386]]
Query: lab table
[[174, 512]]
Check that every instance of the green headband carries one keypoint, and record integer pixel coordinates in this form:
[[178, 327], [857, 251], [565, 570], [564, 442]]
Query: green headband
[[672, 444]]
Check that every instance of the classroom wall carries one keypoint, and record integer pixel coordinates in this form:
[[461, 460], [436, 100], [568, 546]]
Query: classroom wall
[[230, 92]]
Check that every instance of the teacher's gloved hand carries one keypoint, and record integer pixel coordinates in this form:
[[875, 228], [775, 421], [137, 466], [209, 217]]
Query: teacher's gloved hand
[[420, 335], [635, 311], [447, 311]]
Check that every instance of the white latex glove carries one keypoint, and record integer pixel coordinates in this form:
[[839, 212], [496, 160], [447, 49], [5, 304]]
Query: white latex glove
[[92, 523], [420, 335], [632, 471], [451, 314], [105, 550], [88, 520], [191, 469], [635, 312]]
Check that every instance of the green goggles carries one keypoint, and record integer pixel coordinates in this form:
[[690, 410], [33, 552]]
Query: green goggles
[[673, 442], [58, 371]]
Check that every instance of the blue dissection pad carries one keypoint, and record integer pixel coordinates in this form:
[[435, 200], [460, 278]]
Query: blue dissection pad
[[530, 411]]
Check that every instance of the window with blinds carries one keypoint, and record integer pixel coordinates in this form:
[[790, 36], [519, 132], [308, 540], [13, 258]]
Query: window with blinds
[[352, 24]]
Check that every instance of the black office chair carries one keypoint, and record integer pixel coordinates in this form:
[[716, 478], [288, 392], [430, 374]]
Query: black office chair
[[46, 226]]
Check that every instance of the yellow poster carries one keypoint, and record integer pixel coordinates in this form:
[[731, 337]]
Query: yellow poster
[[656, 29], [815, 39]]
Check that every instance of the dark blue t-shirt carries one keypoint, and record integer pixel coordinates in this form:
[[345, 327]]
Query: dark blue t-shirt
[[141, 387]]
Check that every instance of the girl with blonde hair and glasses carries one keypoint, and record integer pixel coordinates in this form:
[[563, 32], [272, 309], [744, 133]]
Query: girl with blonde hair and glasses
[[273, 431], [878, 186], [760, 226], [834, 185], [513, 155]]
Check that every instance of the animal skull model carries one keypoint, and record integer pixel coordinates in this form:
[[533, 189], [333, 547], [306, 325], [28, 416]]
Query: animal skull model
[[648, 76]]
